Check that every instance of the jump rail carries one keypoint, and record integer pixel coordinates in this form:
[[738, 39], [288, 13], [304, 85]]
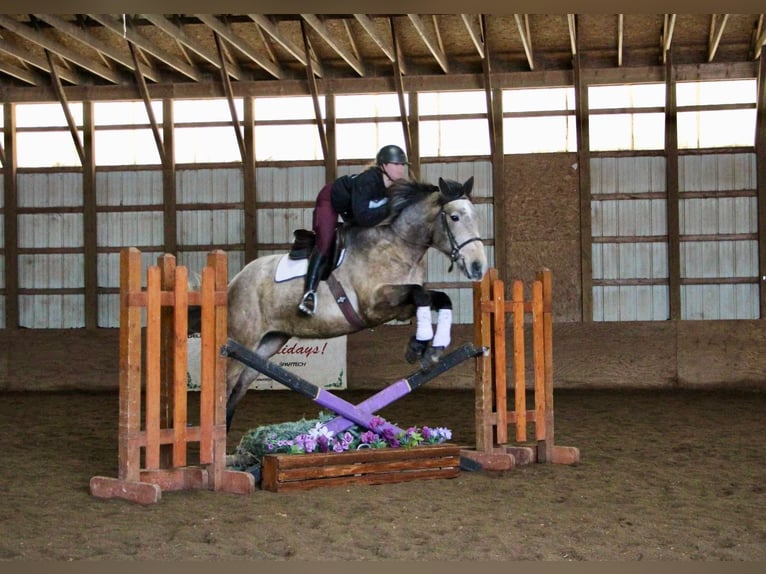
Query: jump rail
[[162, 374]]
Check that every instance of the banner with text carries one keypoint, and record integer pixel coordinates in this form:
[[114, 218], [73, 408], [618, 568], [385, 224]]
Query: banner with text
[[322, 362]]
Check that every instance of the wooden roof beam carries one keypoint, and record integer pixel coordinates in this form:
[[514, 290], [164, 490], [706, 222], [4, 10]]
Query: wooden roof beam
[[386, 47], [144, 91], [129, 33], [475, 31], [399, 81], [715, 35], [237, 42], [36, 37], [222, 66], [526, 38], [760, 38], [571, 22], [318, 26], [620, 33], [179, 35], [667, 35], [315, 95], [432, 44], [20, 74], [271, 28], [100, 46], [71, 76], [58, 88]]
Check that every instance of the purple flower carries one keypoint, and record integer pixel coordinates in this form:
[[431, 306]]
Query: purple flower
[[368, 437]]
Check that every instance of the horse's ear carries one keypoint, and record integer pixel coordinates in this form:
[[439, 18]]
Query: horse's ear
[[468, 186]]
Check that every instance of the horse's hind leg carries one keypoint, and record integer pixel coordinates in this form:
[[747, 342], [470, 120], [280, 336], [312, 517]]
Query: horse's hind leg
[[268, 346]]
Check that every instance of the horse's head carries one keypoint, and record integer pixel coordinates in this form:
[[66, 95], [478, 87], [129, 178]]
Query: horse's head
[[440, 217], [457, 232]]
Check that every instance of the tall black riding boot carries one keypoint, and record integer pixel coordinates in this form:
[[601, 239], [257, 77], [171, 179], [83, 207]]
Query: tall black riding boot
[[317, 266]]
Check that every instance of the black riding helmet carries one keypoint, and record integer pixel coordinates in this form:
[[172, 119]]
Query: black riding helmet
[[391, 154]]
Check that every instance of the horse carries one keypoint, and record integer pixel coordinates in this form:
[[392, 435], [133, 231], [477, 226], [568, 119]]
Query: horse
[[380, 277]]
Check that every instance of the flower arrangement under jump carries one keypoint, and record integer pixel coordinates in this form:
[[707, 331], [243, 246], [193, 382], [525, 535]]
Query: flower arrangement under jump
[[313, 436]]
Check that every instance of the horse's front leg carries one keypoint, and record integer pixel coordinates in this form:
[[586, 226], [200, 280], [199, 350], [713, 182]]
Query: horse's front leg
[[442, 304], [426, 345]]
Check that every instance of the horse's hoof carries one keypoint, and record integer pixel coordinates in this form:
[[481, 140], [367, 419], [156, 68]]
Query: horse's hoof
[[431, 357], [415, 350]]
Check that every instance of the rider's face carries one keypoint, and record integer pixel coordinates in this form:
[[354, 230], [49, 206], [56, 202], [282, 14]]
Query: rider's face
[[395, 170]]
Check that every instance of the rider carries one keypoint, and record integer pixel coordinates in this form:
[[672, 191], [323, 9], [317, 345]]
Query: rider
[[359, 199]]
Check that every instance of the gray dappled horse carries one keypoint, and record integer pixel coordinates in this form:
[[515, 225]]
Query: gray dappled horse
[[381, 272]]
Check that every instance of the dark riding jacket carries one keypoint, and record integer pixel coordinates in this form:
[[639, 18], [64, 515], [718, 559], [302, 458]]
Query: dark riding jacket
[[361, 199]]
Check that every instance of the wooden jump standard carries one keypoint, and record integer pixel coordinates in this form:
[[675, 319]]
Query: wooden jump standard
[[492, 415], [165, 434]]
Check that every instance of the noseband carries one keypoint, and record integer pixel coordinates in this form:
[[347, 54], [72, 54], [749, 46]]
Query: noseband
[[455, 252]]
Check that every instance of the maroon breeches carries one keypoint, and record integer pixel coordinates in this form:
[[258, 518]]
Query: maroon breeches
[[325, 220]]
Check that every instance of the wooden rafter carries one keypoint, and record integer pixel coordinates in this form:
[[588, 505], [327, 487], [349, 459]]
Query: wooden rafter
[[223, 67], [52, 45], [100, 46], [399, 81], [716, 30], [431, 43], [179, 35], [227, 34], [71, 124], [270, 27], [366, 23], [571, 22], [667, 35], [19, 73], [760, 38], [314, 94], [620, 32], [129, 33], [487, 69], [475, 32], [526, 38], [144, 91], [65, 74], [319, 27]]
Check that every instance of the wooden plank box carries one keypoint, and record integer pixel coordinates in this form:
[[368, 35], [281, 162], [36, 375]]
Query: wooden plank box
[[284, 472]]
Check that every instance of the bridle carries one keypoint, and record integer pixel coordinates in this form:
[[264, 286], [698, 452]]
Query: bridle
[[455, 254]]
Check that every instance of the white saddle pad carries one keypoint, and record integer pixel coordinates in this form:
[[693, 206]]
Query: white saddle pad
[[290, 269]]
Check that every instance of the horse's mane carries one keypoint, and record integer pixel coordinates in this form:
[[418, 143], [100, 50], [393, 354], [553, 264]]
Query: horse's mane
[[403, 193]]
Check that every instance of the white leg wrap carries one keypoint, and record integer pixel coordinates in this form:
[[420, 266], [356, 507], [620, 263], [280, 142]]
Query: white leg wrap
[[443, 327], [425, 331]]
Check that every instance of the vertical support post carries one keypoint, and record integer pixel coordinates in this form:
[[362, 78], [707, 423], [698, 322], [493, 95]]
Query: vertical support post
[[129, 459], [483, 376], [207, 366], [545, 446], [216, 261], [519, 361], [167, 266], [538, 358], [153, 364], [179, 357], [497, 293]]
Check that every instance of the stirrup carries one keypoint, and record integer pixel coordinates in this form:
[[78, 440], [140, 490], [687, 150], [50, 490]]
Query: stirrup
[[308, 303]]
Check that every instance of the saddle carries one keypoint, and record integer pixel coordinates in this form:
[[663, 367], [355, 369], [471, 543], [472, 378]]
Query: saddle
[[305, 239]]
